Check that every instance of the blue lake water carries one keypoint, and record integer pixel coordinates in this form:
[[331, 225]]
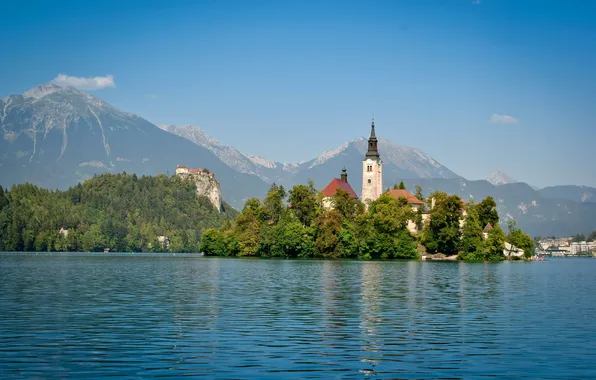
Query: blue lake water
[[95, 316]]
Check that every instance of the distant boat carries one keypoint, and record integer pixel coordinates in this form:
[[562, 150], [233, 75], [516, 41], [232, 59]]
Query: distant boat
[[106, 250]]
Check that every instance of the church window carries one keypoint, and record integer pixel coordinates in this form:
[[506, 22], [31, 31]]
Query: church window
[[369, 181]]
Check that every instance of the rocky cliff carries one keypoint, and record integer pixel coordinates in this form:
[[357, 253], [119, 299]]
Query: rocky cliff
[[206, 184]]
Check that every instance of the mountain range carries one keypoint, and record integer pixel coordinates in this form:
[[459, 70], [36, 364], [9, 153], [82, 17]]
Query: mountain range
[[57, 136]]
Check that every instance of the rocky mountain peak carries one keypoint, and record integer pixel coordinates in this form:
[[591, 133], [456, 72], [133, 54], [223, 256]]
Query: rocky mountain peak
[[42, 90], [499, 178]]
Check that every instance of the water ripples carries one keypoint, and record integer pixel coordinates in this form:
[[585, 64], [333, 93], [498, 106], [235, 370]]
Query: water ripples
[[80, 316]]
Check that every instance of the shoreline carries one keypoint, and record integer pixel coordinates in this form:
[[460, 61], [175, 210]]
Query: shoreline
[[423, 258]]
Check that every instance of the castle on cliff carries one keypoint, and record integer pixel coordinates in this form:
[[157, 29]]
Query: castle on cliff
[[205, 182]]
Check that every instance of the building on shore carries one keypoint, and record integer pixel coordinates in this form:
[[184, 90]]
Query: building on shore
[[337, 183]]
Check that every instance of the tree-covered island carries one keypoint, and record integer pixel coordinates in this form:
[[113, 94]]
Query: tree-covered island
[[302, 223]]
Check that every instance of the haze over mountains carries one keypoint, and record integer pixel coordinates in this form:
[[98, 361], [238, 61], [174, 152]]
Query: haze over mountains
[[57, 137]]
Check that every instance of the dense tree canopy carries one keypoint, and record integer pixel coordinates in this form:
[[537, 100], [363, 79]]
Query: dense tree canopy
[[126, 213], [117, 211], [472, 241], [306, 229], [520, 239], [443, 231], [487, 212]]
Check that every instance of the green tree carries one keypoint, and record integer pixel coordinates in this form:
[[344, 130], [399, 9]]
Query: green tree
[[328, 228], [288, 238], [578, 238], [303, 202], [438, 196], [443, 231], [495, 244], [247, 232], [3, 200], [93, 240], [418, 194], [519, 239], [213, 243], [347, 206], [401, 186], [274, 203], [487, 212], [472, 241]]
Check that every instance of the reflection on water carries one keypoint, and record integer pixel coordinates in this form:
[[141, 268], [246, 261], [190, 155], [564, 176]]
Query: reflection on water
[[87, 316]]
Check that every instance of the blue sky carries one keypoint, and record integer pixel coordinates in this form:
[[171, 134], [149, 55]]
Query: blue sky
[[479, 85]]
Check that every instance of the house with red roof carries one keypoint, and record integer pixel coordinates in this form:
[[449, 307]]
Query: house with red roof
[[402, 193], [337, 183]]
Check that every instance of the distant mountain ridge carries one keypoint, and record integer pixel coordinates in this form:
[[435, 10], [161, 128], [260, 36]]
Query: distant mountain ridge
[[398, 161], [581, 194], [57, 136]]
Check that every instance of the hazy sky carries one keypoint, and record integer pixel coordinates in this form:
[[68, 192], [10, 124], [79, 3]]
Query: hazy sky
[[479, 85]]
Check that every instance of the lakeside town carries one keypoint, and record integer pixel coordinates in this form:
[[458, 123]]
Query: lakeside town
[[566, 247]]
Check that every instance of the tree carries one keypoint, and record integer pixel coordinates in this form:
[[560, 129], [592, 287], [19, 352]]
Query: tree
[[487, 212], [471, 244], [443, 232], [288, 238], [213, 243], [401, 186], [93, 240], [519, 239], [347, 206], [274, 202], [3, 200], [591, 236], [328, 227], [418, 194], [495, 244], [438, 196], [578, 238], [383, 233], [303, 202], [390, 215], [247, 233]]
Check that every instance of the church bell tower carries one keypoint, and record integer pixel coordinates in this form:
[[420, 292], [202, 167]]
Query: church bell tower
[[372, 170]]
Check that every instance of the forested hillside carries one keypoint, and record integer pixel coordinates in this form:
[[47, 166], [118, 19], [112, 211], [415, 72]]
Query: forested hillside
[[122, 212]]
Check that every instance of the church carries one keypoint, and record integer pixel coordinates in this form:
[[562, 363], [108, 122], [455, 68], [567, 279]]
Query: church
[[372, 176], [372, 179], [372, 170]]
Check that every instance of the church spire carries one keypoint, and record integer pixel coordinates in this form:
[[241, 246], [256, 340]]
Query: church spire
[[373, 151], [344, 174]]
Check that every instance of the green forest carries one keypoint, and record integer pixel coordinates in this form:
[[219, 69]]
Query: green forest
[[295, 223], [117, 211], [125, 213]]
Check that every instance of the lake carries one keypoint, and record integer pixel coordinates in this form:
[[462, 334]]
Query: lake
[[140, 316]]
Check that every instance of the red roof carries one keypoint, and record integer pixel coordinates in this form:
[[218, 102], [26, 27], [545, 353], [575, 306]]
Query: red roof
[[397, 193], [337, 183]]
